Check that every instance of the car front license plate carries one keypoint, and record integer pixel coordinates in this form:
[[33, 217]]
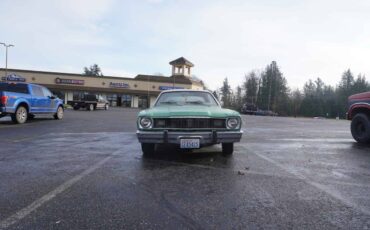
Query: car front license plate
[[189, 143]]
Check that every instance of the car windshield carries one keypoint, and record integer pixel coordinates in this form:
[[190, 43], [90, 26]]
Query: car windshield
[[186, 98]]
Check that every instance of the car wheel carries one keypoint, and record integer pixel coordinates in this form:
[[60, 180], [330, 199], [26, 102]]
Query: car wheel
[[227, 148], [147, 148], [59, 114], [91, 107], [20, 116], [360, 128], [106, 107]]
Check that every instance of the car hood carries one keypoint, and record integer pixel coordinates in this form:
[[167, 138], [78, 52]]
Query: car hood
[[196, 111], [360, 96]]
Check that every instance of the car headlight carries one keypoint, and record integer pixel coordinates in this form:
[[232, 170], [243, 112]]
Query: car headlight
[[232, 123], [145, 122]]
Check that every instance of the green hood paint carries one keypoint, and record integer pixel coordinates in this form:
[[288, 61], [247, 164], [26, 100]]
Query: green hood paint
[[188, 110]]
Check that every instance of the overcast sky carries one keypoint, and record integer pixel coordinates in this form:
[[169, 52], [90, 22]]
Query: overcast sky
[[308, 39]]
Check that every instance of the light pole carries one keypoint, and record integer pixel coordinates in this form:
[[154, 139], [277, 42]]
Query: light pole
[[272, 73], [6, 57], [148, 100]]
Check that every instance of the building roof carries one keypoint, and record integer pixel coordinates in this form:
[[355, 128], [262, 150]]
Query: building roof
[[180, 79], [155, 78], [63, 74], [181, 61]]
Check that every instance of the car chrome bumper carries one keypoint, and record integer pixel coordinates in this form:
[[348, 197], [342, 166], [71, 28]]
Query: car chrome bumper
[[207, 137]]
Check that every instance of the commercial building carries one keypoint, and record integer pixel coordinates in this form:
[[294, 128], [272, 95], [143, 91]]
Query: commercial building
[[140, 91]]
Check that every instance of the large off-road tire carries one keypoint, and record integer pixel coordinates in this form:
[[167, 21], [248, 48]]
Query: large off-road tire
[[106, 107], [59, 114], [147, 148], [360, 128], [20, 116], [227, 148]]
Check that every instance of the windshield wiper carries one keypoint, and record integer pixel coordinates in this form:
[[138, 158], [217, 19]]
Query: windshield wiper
[[195, 102], [169, 102]]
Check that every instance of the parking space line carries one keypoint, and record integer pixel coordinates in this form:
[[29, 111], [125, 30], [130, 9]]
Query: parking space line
[[331, 140], [319, 186], [27, 138], [19, 215]]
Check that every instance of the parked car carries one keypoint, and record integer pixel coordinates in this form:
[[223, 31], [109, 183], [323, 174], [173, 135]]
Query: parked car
[[359, 114], [260, 112], [90, 102], [190, 119], [23, 101], [249, 108]]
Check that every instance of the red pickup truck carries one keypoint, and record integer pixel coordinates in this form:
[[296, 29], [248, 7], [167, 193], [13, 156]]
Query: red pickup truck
[[359, 114]]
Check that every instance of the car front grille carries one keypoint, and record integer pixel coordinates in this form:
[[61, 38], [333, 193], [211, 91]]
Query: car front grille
[[189, 123]]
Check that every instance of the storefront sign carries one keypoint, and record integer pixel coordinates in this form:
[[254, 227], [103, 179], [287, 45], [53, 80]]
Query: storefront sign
[[169, 87], [13, 77], [119, 85], [69, 81]]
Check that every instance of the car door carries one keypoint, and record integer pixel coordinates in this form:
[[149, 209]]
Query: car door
[[38, 100], [50, 101]]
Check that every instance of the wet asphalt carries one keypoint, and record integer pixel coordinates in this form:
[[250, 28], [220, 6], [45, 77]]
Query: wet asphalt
[[87, 172]]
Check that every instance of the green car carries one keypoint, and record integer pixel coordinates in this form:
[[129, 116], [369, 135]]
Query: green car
[[190, 119]]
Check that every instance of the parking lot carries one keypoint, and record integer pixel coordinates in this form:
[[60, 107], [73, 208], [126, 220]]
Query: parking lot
[[87, 172]]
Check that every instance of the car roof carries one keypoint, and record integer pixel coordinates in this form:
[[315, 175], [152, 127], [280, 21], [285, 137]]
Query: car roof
[[188, 90], [185, 90]]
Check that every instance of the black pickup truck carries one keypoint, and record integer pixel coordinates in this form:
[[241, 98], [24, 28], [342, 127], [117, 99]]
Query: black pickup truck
[[90, 102]]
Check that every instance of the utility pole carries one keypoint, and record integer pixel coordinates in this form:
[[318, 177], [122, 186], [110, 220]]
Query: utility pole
[[148, 102], [6, 57], [272, 73], [259, 91]]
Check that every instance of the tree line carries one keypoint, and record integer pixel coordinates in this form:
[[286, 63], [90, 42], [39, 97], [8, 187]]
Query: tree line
[[269, 90]]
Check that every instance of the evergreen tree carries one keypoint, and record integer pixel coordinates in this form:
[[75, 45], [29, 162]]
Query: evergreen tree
[[226, 94], [238, 98], [273, 92], [344, 90], [296, 101], [251, 88], [270, 92], [360, 84]]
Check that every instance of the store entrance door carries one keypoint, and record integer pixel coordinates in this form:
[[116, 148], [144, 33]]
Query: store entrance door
[[119, 101], [143, 102]]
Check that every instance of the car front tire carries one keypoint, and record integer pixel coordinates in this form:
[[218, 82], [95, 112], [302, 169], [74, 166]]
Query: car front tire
[[360, 128], [147, 148], [227, 148], [20, 116], [106, 107], [91, 107]]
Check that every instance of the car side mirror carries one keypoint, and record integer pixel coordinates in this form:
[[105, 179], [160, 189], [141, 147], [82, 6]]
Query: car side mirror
[[52, 97]]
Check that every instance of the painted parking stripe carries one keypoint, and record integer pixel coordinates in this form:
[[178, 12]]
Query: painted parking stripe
[[19, 215], [321, 187]]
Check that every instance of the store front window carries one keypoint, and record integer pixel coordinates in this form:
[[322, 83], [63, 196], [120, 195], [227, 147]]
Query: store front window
[[77, 96], [59, 94], [126, 100], [112, 98], [143, 102]]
